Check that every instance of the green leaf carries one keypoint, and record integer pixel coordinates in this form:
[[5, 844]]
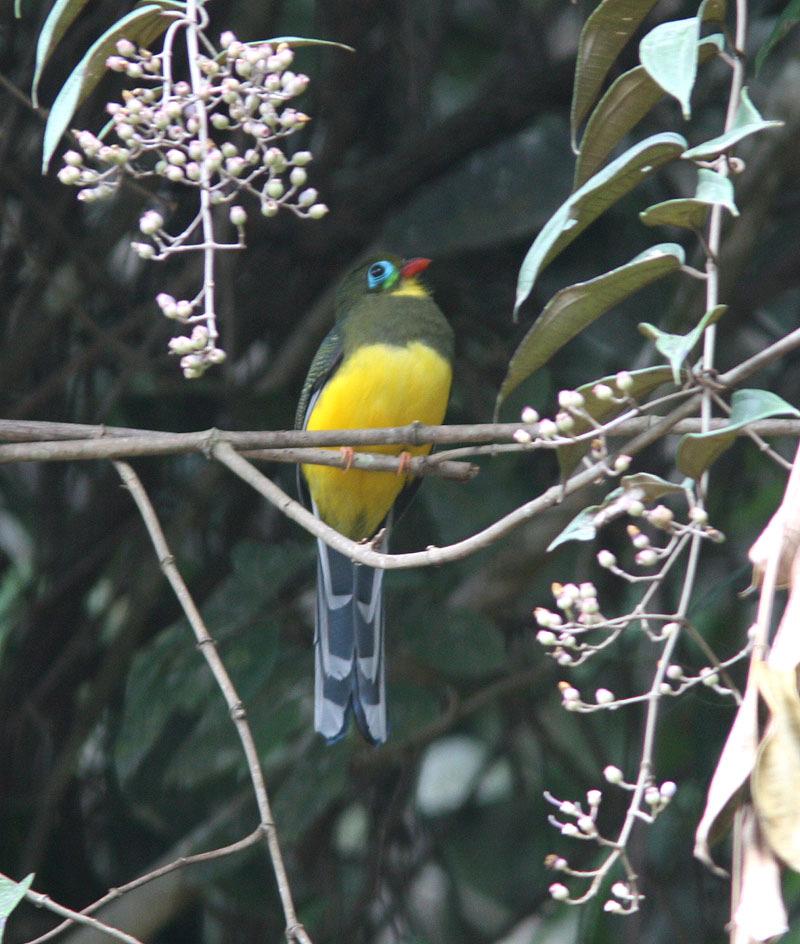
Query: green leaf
[[141, 26], [464, 645], [18, 9], [697, 451], [643, 486], [648, 487], [591, 200], [669, 54], [59, 19], [788, 19], [747, 121], [692, 212], [603, 36], [574, 308], [11, 894], [677, 347], [622, 107], [644, 382], [303, 41], [582, 526], [712, 11]]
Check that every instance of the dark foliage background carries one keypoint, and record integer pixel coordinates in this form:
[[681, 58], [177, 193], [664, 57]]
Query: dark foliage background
[[444, 135]]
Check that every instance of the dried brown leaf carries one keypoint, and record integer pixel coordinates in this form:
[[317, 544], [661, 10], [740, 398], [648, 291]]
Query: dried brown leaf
[[759, 914]]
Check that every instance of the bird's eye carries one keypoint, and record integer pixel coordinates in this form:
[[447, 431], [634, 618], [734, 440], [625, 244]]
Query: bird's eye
[[380, 273]]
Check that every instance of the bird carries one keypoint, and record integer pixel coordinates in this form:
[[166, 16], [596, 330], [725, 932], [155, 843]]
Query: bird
[[387, 361]]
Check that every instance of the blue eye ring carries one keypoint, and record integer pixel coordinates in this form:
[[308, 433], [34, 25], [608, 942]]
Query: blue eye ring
[[380, 273]]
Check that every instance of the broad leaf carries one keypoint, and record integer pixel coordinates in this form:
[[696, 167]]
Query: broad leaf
[[592, 199], [697, 451], [669, 54], [692, 212], [649, 487], [642, 486], [582, 527], [622, 107], [603, 36], [11, 894], [748, 121], [574, 308], [59, 19], [788, 19], [141, 26], [677, 347], [644, 382], [775, 782]]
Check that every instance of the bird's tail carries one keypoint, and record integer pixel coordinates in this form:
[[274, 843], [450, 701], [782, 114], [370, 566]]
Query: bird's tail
[[348, 644]]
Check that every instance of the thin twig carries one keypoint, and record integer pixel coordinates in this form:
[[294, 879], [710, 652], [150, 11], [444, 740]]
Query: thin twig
[[114, 893], [294, 930]]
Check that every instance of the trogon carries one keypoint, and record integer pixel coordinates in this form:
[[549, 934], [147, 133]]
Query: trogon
[[387, 361]]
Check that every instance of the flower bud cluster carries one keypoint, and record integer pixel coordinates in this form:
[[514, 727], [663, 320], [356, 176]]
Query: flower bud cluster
[[246, 89], [221, 134]]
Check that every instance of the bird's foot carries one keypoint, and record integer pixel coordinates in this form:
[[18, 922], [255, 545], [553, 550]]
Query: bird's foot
[[405, 463], [348, 454]]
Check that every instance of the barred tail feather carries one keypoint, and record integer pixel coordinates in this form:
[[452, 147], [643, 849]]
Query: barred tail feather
[[349, 657]]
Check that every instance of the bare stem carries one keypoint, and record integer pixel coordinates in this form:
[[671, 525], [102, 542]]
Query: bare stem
[[294, 930]]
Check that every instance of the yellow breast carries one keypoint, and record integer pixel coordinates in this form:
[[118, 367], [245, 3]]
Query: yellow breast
[[378, 385]]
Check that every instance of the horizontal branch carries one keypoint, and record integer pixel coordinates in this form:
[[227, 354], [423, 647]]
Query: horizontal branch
[[61, 442]]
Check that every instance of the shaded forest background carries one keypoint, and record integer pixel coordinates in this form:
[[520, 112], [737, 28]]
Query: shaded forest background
[[444, 135]]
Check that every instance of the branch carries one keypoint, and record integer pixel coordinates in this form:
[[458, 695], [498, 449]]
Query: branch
[[294, 930]]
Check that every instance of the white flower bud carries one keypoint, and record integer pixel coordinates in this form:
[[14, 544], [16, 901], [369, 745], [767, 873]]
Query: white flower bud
[[603, 392], [73, 159], [661, 516], [126, 48], [593, 797], [620, 890], [275, 189], [569, 829], [670, 628], [269, 208], [570, 694], [317, 211], [298, 177], [652, 796], [606, 559], [69, 175], [238, 215], [586, 825], [603, 696], [568, 808], [216, 355], [548, 429], [641, 541], [674, 672], [307, 197], [199, 336], [624, 381], [709, 676], [545, 638], [565, 423], [698, 515], [301, 158], [143, 250], [667, 790], [612, 906], [570, 399], [150, 222], [134, 71], [558, 891], [622, 464], [647, 557], [184, 308], [612, 774], [635, 508], [522, 436], [529, 415], [181, 345]]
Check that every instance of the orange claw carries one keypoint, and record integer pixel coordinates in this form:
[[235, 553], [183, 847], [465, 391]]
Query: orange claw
[[405, 463], [347, 457]]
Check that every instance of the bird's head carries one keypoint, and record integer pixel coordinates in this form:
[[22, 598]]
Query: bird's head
[[381, 274]]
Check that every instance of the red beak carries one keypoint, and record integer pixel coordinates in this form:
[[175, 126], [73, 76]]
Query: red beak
[[414, 267]]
